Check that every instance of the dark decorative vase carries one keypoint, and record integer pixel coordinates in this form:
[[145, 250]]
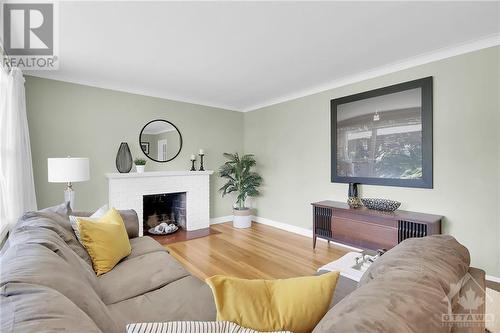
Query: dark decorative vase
[[352, 197], [124, 158]]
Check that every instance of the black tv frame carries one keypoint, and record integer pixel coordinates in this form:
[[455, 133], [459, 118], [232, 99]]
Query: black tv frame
[[427, 159]]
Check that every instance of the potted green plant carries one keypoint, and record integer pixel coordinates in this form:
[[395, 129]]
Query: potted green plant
[[140, 164], [242, 180]]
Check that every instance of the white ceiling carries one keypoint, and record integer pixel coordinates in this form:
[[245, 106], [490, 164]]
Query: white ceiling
[[244, 55]]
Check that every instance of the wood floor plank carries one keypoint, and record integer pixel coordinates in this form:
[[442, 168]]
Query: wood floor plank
[[259, 252]]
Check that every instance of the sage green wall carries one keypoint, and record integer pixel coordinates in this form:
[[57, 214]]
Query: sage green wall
[[291, 141], [77, 120]]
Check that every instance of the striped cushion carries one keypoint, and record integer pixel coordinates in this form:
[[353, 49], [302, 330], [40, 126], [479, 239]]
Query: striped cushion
[[190, 326]]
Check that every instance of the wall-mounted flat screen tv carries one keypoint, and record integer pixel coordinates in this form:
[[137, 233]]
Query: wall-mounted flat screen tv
[[384, 136]]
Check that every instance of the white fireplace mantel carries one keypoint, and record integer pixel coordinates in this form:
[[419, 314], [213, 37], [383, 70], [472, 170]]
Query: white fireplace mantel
[[126, 191], [115, 175]]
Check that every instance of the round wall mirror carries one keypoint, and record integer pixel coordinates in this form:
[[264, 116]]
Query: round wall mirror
[[160, 140]]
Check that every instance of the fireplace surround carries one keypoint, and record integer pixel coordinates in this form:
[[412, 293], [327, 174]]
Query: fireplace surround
[[127, 191]]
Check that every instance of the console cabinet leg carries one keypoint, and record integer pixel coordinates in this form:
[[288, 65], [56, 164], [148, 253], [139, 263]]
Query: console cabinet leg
[[314, 242]]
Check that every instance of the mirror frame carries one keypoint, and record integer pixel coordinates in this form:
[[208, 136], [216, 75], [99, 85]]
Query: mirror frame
[[180, 141]]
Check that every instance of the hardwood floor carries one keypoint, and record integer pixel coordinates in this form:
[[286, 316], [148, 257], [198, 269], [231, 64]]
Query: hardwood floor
[[257, 252], [183, 235]]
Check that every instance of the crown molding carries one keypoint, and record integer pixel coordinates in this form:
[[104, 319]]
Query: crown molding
[[425, 58], [141, 92]]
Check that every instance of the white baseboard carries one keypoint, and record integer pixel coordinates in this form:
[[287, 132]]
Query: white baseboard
[[283, 226], [222, 219], [297, 230], [492, 278], [303, 232], [308, 233]]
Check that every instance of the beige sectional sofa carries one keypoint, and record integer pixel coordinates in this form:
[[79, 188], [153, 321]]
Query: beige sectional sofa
[[47, 285]]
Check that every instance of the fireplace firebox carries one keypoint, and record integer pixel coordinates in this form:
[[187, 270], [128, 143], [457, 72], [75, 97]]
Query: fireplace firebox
[[164, 208]]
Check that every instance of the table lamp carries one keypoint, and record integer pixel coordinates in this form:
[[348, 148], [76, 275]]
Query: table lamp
[[68, 170]]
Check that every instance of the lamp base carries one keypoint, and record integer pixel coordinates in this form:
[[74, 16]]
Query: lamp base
[[69, 196]]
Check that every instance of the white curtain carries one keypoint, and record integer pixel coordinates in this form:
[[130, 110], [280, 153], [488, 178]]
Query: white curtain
[[17, 188]]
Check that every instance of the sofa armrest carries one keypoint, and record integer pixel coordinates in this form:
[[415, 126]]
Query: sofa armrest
[[408, 290], [476, 282], [81, 213], [130, 219], [344, 287]]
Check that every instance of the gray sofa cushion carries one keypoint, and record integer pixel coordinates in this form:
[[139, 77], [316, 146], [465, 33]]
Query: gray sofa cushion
[[440, 257], [38, 265], [63, 209], [409, 304], [406, 290], [139, 275], [344, 287], [184, 299], [54, 243], [144, 245], [129, 217], [22, 303], [44, 263], [57, 223]]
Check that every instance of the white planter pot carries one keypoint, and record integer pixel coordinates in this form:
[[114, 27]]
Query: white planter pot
[[140, 168], [242, 218]]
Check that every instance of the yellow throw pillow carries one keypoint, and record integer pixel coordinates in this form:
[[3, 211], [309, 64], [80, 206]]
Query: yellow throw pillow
[[296, 304], [105, 240]]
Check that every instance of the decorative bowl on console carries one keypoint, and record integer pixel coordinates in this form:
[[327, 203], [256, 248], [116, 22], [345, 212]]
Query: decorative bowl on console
[[385, 205]]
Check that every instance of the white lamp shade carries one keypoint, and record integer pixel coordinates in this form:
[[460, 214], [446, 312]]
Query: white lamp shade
[[68, 169]]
